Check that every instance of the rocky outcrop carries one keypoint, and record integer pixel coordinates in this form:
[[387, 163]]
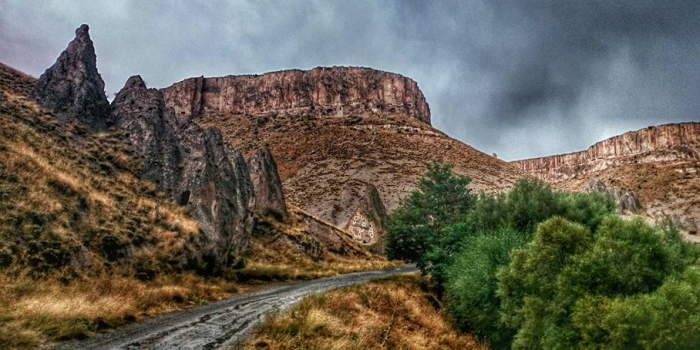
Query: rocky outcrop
[[663, 143], [361, 212], [627, 202], [72, 87], [336, 91], [142, 117], [191, 165], [266, 183]]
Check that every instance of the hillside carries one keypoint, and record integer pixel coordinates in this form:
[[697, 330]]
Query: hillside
[[113, 212], [327, 142], [660, 164], [392, 313]]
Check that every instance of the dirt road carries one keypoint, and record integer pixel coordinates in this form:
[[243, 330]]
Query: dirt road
[[219, 325]]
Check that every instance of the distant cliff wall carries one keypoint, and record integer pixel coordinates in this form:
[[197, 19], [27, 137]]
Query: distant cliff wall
[[663, 143], [335, 91]]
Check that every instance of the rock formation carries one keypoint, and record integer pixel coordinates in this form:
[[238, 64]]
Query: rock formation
[[72, 87], [336, 91], [266, 183], [655, 170], [360, 211], [192, 165], [663, 143], [318, 154], [627, 202], [141, 115]]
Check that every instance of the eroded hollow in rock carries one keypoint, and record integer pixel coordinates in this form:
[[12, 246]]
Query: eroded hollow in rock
[[185, 198]]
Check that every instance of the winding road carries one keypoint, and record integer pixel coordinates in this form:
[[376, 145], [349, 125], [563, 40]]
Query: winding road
[[221, 324]]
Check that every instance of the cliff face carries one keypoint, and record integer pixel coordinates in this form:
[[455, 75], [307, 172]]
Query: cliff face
[[336, 91], [194, 166], [654, 172], [663, 143]]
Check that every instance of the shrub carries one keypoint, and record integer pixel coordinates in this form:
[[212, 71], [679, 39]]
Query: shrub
[[472, 282], [604, 289]]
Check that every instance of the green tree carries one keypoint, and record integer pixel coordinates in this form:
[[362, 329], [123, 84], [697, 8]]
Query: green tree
[[668, 318], [554, 289], [528, 289], [497, 224], [472, 283], [418, 229]]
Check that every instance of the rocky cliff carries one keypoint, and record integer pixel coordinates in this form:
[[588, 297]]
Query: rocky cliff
[[336, 91], [266, 183], [193, 166], [663, 143], [72, 87], [654, 172]]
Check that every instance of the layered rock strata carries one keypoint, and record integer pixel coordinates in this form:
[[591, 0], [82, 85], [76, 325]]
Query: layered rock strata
[[72, 87], [336, 91], [663, 143]]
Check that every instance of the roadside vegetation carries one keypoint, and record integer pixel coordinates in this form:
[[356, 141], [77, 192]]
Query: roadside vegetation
[[395, 313], [540, 269]]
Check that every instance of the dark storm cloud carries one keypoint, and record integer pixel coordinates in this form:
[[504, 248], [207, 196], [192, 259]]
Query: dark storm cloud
[[519, 78]]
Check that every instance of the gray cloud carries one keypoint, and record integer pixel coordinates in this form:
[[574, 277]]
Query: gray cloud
[[520, 79]]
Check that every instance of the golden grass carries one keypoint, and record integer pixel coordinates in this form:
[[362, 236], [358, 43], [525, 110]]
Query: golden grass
[[34, 312], [63, 191], [393, 313]]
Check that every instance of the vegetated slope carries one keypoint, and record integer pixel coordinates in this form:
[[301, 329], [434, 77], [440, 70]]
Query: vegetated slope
[[321, 146], [392, 313], [78, 233], [660, 164], [86, 244], [72, 200]]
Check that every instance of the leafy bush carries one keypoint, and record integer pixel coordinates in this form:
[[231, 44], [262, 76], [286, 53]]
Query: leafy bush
[[496, 225], [472, 283], [554, 290], [668, 318]]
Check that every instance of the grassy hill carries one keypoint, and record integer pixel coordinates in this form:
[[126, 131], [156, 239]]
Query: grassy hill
[[86, 244]]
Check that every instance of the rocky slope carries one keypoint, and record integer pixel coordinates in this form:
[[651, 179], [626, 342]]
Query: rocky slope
[[192, 166], [378, 139], [337, 91], [659, 164], [190, 181]]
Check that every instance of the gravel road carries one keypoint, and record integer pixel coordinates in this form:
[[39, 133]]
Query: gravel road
[[221, 324]]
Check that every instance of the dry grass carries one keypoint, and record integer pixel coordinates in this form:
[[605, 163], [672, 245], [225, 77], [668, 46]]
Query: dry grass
[[35, 312], [393, 313], [288, 250], [81, 249]]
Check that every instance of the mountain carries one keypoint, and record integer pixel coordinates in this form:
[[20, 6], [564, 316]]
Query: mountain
[[659, 164], [91, 187], [335, 132]]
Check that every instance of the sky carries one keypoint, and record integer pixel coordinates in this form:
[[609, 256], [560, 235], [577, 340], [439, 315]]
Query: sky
[[519, 78]]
